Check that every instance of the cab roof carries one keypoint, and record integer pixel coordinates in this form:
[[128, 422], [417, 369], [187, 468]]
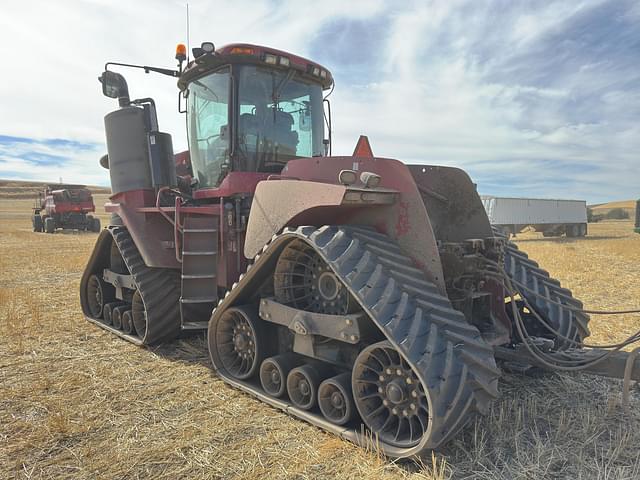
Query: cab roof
[[246, 53]]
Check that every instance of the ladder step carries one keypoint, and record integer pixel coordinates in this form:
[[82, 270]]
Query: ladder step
[[199, 275], [208, 253], [199, 300], [199, 230]]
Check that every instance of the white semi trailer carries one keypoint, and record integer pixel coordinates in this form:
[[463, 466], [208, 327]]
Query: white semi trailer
[[551, 217]]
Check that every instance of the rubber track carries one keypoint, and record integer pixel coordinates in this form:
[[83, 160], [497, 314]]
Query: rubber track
[[448, 354], [158, 287], [571, 324]]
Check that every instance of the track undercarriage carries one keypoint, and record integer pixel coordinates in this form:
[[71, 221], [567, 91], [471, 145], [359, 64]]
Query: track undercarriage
[[124, 296], [335, 326]]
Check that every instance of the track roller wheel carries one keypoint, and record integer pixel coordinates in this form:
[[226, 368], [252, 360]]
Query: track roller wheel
[[336, 400], [116, 316], [237, 342], [302, 386], [274, 371], [127, 322], [108, 310], [98, 294], [389, 396]]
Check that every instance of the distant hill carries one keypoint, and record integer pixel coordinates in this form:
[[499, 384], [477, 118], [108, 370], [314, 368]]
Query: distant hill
[[14, 189], [603, 208]]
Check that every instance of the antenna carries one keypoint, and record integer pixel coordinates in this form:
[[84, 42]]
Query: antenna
[[188, 41]]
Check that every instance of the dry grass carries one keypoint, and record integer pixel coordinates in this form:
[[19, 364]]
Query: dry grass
[[76, 402], [18, 189], [628, 205]]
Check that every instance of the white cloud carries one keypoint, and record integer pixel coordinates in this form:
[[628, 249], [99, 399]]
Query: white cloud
[[465, 83], [42, 161]]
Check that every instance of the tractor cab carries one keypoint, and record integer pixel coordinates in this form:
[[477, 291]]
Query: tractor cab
[[251, 109]]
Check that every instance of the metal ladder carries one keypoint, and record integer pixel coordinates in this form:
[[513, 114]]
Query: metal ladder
[[199, 292]]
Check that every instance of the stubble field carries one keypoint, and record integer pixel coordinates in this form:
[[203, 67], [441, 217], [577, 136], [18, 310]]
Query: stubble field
[[75, 402]]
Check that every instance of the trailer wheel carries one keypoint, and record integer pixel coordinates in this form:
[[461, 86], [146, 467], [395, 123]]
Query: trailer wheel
[[88, 223], [573, 231], [95, 225], [37, 223], [49, 225], [583, 230]]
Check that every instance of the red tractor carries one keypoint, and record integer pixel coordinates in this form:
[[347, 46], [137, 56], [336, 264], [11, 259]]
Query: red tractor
[[66, 207], [365, 296]]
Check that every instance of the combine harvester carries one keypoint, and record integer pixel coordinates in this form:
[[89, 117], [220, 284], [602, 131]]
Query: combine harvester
[[64, 206], [365, 296]]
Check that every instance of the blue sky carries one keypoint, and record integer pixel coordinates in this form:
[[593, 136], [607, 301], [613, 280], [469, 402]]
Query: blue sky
[[531, 98]]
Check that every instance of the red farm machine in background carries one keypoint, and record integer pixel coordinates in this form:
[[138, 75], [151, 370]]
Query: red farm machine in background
[[365, 296], [64, 206]]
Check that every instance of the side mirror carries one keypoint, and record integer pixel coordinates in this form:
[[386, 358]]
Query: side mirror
[[115, 86]]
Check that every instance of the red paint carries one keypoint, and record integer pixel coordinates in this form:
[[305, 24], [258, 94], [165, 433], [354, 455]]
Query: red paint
[[403, 223], [406, 221], [234, 183], [394, 173], [132, 198]]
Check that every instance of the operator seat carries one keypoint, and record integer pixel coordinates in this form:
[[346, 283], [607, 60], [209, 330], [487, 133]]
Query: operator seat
[[282, 133], [249, 130]]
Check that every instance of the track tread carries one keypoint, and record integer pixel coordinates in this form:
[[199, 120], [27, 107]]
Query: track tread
[[571, 324], [421, 323], [159, 289]]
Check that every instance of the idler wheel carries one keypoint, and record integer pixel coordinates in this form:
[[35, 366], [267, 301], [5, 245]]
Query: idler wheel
[[336, 400], [97, 295], [238, 342], [304, 281], [274, 372], [389, 396], [138, 315]]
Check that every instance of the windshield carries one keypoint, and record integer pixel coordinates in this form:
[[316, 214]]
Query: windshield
[[280, 118], [207, 127]]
